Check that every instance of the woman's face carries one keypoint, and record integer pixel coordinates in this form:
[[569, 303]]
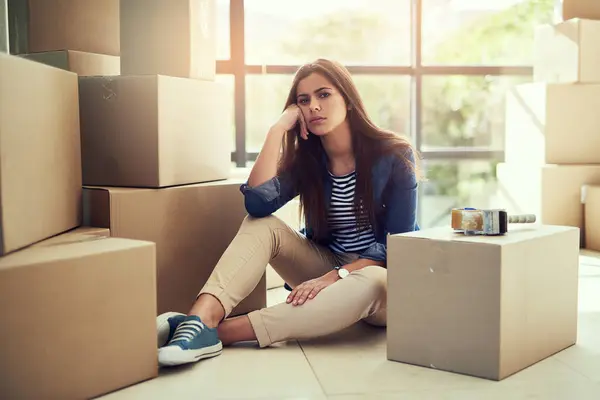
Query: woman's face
[[322, 105]]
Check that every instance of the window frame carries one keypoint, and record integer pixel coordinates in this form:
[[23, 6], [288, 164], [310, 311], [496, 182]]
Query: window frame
[[237, 67]]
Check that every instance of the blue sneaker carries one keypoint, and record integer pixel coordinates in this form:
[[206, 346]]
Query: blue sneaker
[[191, 342], [165, 326]]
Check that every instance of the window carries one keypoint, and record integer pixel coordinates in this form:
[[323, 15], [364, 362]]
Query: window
[[223, 37], [465, 111], [481, 32], [227, 81], [435, 70], [387, 100], [455, 184], [353, 32], [265, 101]]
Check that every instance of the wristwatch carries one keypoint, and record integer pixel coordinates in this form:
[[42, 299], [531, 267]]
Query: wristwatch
[[342, 272]]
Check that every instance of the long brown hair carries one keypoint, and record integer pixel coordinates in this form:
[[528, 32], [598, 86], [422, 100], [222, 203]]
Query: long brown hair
[[303, 159]]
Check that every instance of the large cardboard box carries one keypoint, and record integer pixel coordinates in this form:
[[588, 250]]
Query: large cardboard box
[[486, 306], [40, 162], [552, 192], [191, 225], [567, 52], [153, 131], [568, 9], [552, 124], [50, 25], [83, 64], [169, 37], [78, 316], [590, 198]]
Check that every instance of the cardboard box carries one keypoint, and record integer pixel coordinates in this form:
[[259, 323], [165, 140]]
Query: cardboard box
[[590, 198], [191, 225], [83, 64], [169, 37], [552, 124], [485, 306], [49, 25], [561, 193], [40, 171], [78, 316], [153, 131], [568, 9], [567, 52], [552, 192]]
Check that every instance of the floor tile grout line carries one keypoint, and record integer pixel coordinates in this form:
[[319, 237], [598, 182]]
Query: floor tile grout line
[[577, 371], [312, 369]]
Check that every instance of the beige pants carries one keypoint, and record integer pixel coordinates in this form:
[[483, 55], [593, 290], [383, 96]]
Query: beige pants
[[261, 241]]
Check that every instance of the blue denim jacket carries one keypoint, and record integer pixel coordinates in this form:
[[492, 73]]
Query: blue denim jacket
[[395, 199]]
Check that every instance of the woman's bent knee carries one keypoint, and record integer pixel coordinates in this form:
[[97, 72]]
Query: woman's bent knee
[[374, 279], [273, 222], [375, 275]]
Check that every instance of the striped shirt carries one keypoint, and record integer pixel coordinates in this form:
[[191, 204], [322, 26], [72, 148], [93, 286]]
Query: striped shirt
[[342, 221]]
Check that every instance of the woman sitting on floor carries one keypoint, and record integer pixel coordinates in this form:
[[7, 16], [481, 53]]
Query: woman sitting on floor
[[357, 183]]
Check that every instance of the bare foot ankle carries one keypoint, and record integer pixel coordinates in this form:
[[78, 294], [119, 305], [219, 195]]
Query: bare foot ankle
[[209, 310]]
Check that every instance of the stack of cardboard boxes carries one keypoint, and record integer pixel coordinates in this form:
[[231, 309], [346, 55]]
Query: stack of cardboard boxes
[[77, 306], [156, 147], [115, 195], [553, 126]]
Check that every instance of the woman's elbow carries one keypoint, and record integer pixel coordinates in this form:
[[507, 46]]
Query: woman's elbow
[[256, 208]]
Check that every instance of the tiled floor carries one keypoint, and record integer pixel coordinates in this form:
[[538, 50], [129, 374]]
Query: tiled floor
[[353, 366]]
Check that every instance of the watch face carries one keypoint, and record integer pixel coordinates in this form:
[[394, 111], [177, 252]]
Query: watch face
[[343, 273]]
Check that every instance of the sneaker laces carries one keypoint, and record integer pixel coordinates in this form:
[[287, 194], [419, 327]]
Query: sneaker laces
[[187, 330]]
